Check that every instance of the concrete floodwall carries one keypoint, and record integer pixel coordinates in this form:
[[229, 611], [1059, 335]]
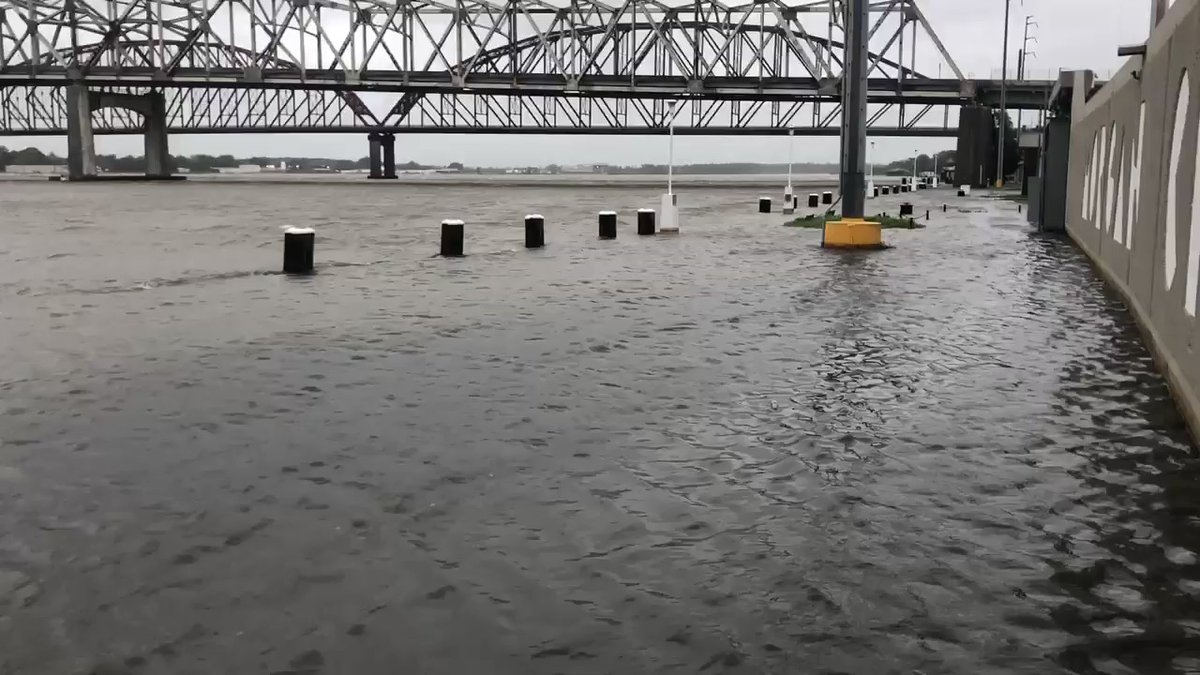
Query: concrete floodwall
[[1133, 192]]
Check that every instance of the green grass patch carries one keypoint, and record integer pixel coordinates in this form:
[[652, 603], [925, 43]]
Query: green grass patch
[[887, 222]]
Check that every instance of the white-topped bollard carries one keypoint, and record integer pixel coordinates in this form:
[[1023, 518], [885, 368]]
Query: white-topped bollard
[[814, 200], [298, 246], [452, 238], [826, 197], [669, 214], [764, 204], [645, 222], [535, 231]]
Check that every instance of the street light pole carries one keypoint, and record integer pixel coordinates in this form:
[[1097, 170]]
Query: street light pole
[[1003, 101], [871, 181], [671, 147]]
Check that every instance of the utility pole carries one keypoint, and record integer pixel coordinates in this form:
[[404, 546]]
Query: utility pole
[[1023, 60], [1003, 101]]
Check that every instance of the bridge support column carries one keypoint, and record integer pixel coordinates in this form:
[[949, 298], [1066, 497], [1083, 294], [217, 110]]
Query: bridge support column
[[389, 155], [382, 155], [853, 231], [158, 156], [975, 162], [81, 143]]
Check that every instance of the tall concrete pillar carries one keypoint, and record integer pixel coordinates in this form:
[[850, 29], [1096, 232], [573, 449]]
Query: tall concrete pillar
[[975, 160], [853, 231], [158, 156], [81, 143], [376, 154], [1052, 193], [854, 105], [389, 155]]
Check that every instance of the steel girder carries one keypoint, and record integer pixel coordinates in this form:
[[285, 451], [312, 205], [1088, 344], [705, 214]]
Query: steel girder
[[502, 65]]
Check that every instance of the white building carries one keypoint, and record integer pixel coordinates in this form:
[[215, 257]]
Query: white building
[[36, 169]]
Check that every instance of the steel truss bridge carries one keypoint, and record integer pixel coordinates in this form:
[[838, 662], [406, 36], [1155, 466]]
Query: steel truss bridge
[[477, 66]]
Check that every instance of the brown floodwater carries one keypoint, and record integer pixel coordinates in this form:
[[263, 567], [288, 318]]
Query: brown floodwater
[[727, 451]]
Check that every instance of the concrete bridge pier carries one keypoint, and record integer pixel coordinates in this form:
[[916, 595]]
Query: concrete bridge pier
[[158, 154], [81, 145], [975, 164], [382, 155]]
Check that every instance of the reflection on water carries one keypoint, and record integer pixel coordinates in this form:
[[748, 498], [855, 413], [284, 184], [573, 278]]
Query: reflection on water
[[727, 451]]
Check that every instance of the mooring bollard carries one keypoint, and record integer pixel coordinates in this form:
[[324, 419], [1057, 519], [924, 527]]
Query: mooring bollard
[[795, 202], [608, 224], [906, 209], [645, 221], [943, 208], [926, 214], [887, 190], [535, 231], [876, 193], [962, 192], [298, 245], [826, 197], [764, 204], [814, 201], [452, 238]]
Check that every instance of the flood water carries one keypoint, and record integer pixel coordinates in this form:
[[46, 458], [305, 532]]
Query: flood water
[[727, 451]]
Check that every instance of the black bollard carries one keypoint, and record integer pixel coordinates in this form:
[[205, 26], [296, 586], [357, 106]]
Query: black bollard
[[826, 197], [645, 221], [887, 190], [764, 204], [814, 201], [963, 193], [795, 202], [452, 238], [535, 231], [906, 209], [943, 208], [876, 194], [298, 245], [608, 224], [1018, 208], [926, 214]]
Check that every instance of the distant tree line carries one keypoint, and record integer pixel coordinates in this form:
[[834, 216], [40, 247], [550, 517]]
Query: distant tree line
[[924, 163], [198, 163]]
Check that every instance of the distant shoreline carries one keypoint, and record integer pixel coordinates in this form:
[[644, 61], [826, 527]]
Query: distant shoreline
[[767, 182]]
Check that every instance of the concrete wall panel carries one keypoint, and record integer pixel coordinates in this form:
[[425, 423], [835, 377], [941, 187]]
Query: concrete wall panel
[[1147, 252], [1146, 245], [1176, 188]]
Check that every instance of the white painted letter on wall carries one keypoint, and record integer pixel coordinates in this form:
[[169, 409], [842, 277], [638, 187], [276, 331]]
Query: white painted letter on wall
[[1182, 103], [1135, 176]]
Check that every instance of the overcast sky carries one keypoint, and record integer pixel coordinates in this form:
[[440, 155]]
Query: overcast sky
[[1071, 34]]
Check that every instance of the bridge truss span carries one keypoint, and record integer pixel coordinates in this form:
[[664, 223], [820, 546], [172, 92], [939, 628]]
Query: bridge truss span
[[577, 66]]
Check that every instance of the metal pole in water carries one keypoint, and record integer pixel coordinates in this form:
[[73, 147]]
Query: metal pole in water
[[855, 107]]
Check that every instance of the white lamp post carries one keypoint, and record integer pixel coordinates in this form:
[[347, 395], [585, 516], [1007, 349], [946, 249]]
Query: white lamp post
[[871, 174], [789, 201], [669, 212]]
